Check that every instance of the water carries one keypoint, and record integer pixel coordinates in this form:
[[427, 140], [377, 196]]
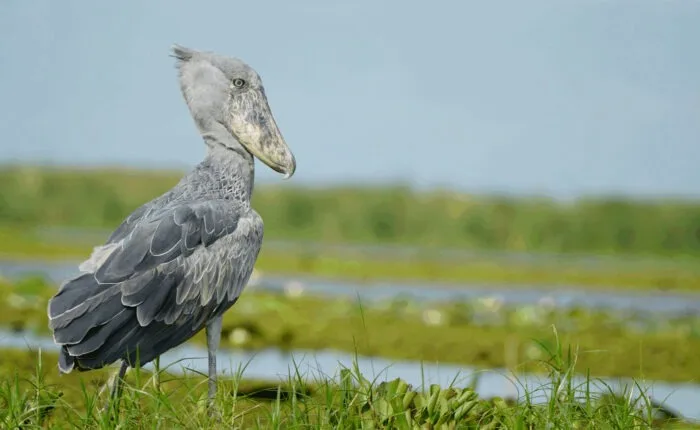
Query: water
[[272, 364], [564, 296]]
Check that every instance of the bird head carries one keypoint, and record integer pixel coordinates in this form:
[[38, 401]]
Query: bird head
[[226, 92]]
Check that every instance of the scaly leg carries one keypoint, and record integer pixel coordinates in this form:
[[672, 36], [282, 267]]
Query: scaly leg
[[116, 383], [213, 339]]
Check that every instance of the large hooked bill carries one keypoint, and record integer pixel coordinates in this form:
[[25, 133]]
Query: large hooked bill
[[255, 127]]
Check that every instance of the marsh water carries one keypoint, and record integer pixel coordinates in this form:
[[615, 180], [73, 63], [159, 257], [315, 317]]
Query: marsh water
[[276, 365], [563, 296]]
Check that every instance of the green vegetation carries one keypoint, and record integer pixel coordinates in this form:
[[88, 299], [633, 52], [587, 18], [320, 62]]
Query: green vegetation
[[481, 333], [33, 397], [34, 196], [656, 245], [29, 244], [553, 274]]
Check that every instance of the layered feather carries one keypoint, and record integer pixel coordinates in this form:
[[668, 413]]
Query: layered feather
[[162, 275]]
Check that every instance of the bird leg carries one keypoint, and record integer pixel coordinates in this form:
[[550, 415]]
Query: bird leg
[[213, 339], [117, 390], [116, 383], [156, 374]]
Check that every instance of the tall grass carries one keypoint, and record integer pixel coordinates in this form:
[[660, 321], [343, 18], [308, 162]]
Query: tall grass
[[347, 400], [31, 196]]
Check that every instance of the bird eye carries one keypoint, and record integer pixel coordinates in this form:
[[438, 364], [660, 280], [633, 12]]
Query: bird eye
[[238, 83]]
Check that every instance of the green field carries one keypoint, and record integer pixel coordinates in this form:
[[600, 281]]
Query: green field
[[647, 274], [53, 214], [39, 196], [663, 237]]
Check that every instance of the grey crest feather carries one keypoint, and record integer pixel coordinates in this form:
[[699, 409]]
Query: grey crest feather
[[181, 53]]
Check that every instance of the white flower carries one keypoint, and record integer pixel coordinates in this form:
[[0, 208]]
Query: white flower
[[492, 304], [433, 317], [16, 301], [525, 315], [239, 336], [293, 289], [533, 352]]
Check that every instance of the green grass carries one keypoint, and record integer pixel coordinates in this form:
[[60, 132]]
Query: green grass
[[34, 196], [482, 270], [654, 274], [664, 234], [32, 395], [480, 333]]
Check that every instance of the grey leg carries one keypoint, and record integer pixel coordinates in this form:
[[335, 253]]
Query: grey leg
[[213, 339], [117, 390], [116, 384], [156, 374]]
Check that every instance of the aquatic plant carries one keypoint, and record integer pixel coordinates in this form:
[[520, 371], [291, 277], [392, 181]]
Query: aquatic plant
[[483, 333]]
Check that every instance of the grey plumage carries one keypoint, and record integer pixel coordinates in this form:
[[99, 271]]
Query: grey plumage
[[178, 262]]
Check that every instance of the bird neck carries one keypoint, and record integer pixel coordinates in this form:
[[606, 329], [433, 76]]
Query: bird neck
[[232, 162]]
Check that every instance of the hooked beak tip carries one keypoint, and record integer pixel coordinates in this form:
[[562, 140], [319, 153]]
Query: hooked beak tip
[[289, 173]]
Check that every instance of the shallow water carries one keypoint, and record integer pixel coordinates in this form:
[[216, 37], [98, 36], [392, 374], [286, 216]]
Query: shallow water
[[272, 364], [564, 296]]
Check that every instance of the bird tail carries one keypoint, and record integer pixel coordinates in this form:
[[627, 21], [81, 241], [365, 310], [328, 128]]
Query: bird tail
[[96, 324], [82, 314]]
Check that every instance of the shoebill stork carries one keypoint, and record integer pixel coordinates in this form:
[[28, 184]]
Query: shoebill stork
[[177, 263]]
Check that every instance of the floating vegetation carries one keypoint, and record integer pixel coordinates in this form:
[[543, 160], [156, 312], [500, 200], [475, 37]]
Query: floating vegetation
[[484, 333]]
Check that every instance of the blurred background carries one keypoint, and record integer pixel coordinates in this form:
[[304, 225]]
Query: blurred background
[[471, 175]]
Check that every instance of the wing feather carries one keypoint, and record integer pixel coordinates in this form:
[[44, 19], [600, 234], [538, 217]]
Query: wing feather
[[170, 233], [168, 268]]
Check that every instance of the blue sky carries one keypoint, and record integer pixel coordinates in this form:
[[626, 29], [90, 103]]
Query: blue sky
[[552, 97]]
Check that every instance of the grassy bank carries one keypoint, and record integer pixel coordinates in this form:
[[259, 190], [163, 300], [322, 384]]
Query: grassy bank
[[31, 196], [661, 274], [33, 396], [480, 333]]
